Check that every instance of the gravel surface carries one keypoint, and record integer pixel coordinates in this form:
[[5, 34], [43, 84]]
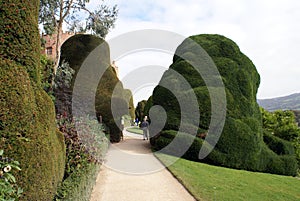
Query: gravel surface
[[132, 173]]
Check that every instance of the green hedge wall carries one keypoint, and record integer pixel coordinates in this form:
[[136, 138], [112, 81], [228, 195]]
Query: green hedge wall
[[74, 51], [19, 37], [241, 144], [278, 145], [139, 110], [79, 185], [27, 119]]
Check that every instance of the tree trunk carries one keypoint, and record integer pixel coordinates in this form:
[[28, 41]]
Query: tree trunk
[[58, 37], [58, 46]]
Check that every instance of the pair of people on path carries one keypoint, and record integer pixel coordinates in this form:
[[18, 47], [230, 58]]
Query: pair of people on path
[[145, 128]]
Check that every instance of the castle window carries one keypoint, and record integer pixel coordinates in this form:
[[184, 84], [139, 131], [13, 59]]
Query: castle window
[[49, 50]]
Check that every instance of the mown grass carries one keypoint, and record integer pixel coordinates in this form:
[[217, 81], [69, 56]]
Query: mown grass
[[207, 182], [135, 130]]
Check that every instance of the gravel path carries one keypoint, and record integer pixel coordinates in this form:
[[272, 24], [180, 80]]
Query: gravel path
[[132, 173]]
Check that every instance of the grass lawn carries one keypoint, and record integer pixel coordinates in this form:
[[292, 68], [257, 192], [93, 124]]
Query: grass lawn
[[207, 182], [135, 130]]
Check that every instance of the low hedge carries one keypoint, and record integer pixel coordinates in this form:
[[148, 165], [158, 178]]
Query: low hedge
[[266, 160], [166, 137], [270, 162], [79, 185], [278, 145], [86, 148]]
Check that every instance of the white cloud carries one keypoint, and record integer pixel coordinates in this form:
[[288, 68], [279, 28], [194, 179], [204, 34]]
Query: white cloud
[[266, 31]]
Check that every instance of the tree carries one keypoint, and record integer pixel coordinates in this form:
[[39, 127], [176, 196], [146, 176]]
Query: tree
[[281, 123], [53, 13]]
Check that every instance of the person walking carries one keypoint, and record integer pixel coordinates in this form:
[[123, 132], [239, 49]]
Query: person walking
[[145, 127], [122, 127]]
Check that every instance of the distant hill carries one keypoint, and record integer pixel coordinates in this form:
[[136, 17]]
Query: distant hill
[[290, 102]]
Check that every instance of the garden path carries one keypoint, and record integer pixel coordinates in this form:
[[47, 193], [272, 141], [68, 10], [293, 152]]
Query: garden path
[[132, 173]]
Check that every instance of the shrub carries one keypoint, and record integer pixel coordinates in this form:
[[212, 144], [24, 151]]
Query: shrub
[[29, 134], [27, 118], [279, 146], [79, 185], [86, 148], [47, 70], [129, 97], [20, 40], [272, 163], [74, 51], [241, 142], [139, 110], [167, 136]]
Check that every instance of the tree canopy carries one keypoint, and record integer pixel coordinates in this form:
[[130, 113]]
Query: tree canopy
[[281, 124], [53, 13]]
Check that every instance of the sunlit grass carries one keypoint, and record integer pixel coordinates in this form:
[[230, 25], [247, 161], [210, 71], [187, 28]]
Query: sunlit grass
[[207, 182], [135, 130]]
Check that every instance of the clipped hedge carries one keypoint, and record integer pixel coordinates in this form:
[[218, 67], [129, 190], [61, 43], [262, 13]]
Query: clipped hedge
[[268, 161], [79, 185], [139, 110], [27, 118], [241, 143], [19, 35], [278, 145], [28, 133], [128, 96], [74, 51]]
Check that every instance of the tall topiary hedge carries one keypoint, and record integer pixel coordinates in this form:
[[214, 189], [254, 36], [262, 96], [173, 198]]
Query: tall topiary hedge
[[139, 110], [27, 118], [241, 144], [128, 96], [75, 51]]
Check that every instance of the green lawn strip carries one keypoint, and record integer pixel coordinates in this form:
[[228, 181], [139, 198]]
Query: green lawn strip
[[135, 130], [207, 182]]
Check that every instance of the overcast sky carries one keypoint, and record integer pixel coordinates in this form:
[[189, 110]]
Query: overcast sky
[[267, 31]]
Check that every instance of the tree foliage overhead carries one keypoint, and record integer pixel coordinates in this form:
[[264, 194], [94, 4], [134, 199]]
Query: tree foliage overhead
[[53, 13]]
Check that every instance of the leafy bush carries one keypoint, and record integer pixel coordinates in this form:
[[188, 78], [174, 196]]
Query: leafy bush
[[64, 75], [267, 162], [9, 189], [86, 147], [79, 185], [47, 70], [148, 106], [281, 130], [281, 123]]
